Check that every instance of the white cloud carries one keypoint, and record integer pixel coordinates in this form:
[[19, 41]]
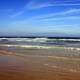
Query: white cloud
[[33, 4], [36, 5], [30, 6], [46, 16], [17, 14], [63, 18], [70, 11], [67, 4]]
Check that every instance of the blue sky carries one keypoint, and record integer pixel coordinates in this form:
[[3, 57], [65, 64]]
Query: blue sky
[[40, 17]]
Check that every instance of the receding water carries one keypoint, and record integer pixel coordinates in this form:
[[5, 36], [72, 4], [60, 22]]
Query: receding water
[[56, 63]]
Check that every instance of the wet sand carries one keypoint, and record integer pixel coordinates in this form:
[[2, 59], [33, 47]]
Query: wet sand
[[14, 66]]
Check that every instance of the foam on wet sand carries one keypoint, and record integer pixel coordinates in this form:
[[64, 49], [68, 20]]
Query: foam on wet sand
[[15, 66]]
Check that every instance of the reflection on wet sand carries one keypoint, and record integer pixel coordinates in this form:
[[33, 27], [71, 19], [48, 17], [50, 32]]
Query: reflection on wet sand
[[15, 66]]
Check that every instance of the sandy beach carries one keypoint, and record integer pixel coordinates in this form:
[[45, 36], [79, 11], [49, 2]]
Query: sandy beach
[[39, 39], [15, 66]]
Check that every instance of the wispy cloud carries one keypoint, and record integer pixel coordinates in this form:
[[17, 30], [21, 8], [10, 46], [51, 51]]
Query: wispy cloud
[[67, 4], [62, 18], [17, 13], [34, 4], [56, 14], [30, 6], [37, 5]]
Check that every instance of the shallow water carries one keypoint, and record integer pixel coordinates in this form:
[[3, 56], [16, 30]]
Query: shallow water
[[37, 68], [58, 63]]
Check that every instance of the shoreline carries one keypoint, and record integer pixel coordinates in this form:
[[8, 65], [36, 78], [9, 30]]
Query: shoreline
[[7, 52], [41, 47], [35, 67]]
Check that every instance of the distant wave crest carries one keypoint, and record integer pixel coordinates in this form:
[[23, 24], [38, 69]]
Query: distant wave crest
[[39, 40]]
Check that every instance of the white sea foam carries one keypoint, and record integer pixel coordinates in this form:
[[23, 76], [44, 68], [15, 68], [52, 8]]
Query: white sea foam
[[40, 47], [38, 39]]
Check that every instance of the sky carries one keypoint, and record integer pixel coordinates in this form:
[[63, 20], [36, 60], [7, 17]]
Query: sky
[[40, 17]]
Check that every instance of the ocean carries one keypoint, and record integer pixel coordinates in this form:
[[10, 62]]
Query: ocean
[[39, 59], [42, 46], [41, 41]]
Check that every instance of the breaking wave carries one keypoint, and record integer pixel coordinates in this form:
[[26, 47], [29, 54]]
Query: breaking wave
[[41, 41]]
